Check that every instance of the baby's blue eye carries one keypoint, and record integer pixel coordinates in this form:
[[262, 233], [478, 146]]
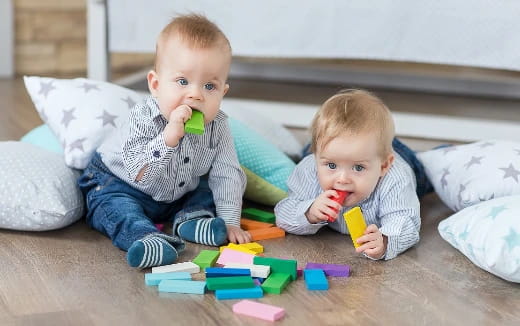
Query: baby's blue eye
[[331, 166], [358, 168], [209, 86], [182, 82]]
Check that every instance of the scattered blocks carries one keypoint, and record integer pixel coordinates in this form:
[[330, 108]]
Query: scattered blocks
[[248, 224], [258, 310], [264, 234], [155, 279], [196, 123], [355, 223], [238, 247], [315, 279], [256, 270], [255, 292], [287, 266], [181, 286], [259, 215], [180, 267], [331, 269], [206, 258], [276, 283], [232, 256], [227, 272], [234, 282]]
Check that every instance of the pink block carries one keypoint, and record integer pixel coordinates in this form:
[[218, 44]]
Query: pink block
[[258, 310], [232, 256]]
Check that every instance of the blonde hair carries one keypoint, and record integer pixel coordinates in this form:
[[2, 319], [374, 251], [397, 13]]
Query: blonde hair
[[355, 111], [195, 30]]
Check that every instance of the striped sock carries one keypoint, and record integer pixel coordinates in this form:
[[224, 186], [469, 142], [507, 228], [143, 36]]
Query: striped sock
[[151, 251], [207, 231]]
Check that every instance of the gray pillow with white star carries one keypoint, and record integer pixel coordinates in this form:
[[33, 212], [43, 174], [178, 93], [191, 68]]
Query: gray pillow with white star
[[39, 192], [465, 175], [80, 112]]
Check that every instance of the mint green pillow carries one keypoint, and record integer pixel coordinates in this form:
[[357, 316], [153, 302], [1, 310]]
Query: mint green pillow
[[266, 167], [43, 137]]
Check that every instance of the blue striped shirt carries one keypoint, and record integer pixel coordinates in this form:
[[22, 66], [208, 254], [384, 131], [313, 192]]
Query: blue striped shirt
[[393, 206], [173, 171]]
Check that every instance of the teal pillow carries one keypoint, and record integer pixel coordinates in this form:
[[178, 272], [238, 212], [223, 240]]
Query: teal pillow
[[43, 137], [266, 167]]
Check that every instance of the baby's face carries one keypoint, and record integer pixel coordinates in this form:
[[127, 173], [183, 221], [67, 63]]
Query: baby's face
[[194, 77], [351, 162]]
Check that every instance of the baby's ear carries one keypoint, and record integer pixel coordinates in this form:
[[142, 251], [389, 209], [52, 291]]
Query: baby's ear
[[387, 163], [153, 82]]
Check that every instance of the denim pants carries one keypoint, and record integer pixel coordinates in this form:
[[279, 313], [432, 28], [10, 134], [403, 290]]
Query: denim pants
[[125, 214], [424, 185]]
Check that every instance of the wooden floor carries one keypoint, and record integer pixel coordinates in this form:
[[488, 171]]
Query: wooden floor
[[75, 276]]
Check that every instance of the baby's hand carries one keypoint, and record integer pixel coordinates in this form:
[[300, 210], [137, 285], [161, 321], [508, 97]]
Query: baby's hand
[[323, 207], [373, 242], [174, 130], [237, 235]]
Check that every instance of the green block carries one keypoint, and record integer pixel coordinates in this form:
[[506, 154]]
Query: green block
[[196, 123], [259, 215], [286, 266], [234, 282], [206, 258], [276, 282]]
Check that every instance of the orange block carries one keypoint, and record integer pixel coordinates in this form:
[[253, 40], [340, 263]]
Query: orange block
[[269, 233], [248, 224]]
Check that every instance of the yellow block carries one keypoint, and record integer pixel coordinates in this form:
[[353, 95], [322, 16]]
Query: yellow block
[[256, 247], [238, 248], [355, 223]]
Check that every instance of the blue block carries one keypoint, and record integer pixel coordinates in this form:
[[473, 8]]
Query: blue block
[[224, 294], [156, 278], [224, 272], [181, 286], [315, 279]]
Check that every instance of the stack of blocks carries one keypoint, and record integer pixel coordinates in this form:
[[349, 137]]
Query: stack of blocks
[[260, 224], [242, 274]]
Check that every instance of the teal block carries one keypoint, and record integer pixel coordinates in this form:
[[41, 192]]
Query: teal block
[[315, 279], [182, 286], [248, 293], [156, 278]]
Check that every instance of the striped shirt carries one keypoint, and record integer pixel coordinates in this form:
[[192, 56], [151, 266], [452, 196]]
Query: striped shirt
[[173, 171], [393, 206]]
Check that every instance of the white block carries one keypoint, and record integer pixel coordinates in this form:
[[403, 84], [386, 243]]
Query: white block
[[180, 267], [256, 270]]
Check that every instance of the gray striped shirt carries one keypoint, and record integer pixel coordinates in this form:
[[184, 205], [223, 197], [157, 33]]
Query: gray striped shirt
[[174, 171], [393, 206]]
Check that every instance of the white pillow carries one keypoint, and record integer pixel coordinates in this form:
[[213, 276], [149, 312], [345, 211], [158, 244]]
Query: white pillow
[[465, 175], [489, 235], [80, 112], [39, 192]]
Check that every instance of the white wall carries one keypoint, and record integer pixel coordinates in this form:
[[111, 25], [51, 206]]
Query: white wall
[[6, 39]]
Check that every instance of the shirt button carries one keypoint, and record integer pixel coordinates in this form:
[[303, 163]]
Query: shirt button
[[182, 184], [156, 154], [186, 159]]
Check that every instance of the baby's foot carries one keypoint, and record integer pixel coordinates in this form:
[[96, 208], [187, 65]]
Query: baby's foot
[[151, 251], [207, 231]]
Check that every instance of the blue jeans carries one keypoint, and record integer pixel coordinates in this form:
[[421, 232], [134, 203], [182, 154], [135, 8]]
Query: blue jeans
[[424, 185], [125, 214]]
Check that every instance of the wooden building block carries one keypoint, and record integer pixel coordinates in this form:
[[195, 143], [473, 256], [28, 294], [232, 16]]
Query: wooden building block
[[342, 195], [287, 266], [355, 223], [276, 283], [226, 272], [195, 125], [248, 224], [180, 267], [233, 282], [256, 247], [259, 215], [206, 258], [258, 310], [238, 247], [256, 270], [181, 286], [232, 256], [331, 269], [254, 292], [315, 279], [155, 279], [264, 234]]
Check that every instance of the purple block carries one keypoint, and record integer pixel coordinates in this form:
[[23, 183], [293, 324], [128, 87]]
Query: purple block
[[331, 269]]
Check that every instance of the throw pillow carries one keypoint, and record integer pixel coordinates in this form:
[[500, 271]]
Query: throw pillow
[[39, 192], [489, 235], [465, 175]]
